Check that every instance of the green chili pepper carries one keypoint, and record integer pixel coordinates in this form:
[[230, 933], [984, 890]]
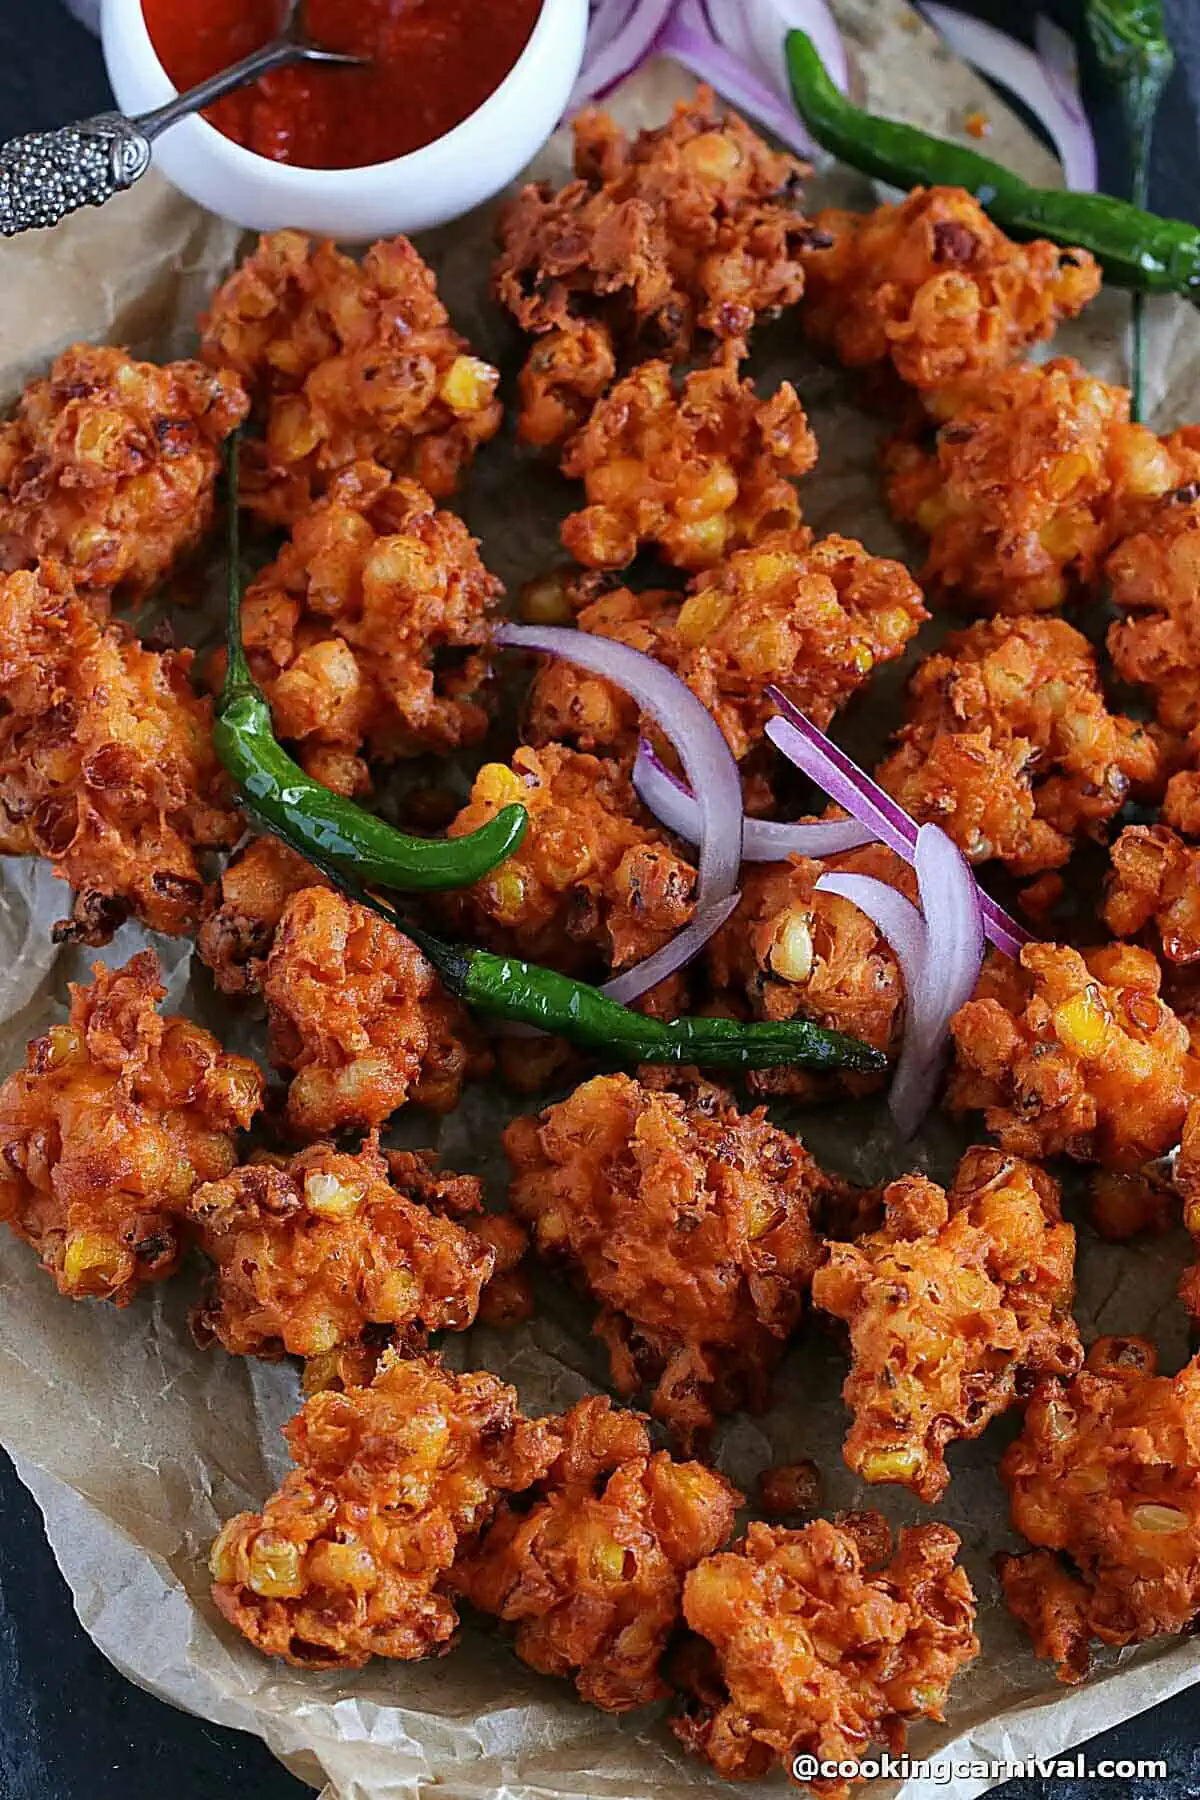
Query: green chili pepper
[[1136, 249], [1131, 45], [320, 824], [508, 988]]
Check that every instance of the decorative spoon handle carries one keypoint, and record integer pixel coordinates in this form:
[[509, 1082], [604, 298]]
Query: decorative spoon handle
[[49, 174]]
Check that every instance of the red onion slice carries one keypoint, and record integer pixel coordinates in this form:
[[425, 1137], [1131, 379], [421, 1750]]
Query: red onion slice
[[620, 37], [695, 734], [954, 926], [850, 788], [631, 984], [763, 840], [1015, 67], [755, 32], [688, 38], [893, 915]]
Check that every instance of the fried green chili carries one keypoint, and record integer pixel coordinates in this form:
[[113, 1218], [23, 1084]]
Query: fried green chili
[[508, 988], [320, 824], [1136, 249], [1131, 45]]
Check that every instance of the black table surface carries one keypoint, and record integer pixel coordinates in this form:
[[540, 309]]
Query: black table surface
[[71, 1728]]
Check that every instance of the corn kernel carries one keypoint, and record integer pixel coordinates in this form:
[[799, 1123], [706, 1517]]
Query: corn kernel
[[1083, 1024], [606, 1560], [330, 1198], [896, 1464], [222, 1558], [700, 544], [862, 658], [292, 432], [545, 602], [763, 1210], [63, 1044], [703, 614], [92, 1262], [1065, 473], [99, 436], [506, 895], [399, 562], [497, 785], [551, 1229], [343, 1566], [273, 1567], [1066, 534], [1160, 1520], [713, 492], [322, 1334], [712, 156], [468, 385], [791, 954], [615, 483], [397, 1295]]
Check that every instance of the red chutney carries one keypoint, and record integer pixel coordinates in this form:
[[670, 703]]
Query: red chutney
[[433, 63]]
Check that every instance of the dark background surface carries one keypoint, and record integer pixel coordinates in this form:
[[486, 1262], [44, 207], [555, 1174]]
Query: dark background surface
[[71, 1728]]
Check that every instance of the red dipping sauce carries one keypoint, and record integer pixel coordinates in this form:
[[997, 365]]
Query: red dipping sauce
[[433, 63]]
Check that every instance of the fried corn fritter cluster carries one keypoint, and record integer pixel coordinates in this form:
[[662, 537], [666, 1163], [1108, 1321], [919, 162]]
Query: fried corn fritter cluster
[[117, 1117], [688, 1222], [1186, 1186], [592, 1573], [1154, 886], [812, 618], [1107, 1473], [1074, 1055], [791, 952], [955, 1307], [366, 632], [326, 1249], [674, 241], [348, 1559], [932, 287], [242, 918], [1036, 472], [697, 472], [106, 761], [346, 362], [108, 466], [822, 1642], [589, 888], [360, 1018], [1010, 747]]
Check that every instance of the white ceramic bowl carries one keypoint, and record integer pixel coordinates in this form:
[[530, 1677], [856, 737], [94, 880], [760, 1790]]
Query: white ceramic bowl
[[441, 181]]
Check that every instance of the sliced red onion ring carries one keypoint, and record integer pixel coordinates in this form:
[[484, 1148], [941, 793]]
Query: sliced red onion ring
[[1015, 66], [897, 918], [689, 40], [631, 984], [755, 32], [954, 926], [854, 791], [763, 840], [620, 37]]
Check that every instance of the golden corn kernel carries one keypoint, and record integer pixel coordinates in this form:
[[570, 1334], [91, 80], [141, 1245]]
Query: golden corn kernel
[[1083, 1023], [892, 627], [468, 385], [497, 785], [322, 1334], [273, 1567], [715, 492], [506, 895], [551, 1229], [88, 541], [398, 1295], [349, 1566], [545, 602], [292, 432], [862, 658], [896, 1464], [1066, 534], [1149, 468], [92, 1261], [712, 156], [606, 1560], [1065, 473], [767, 649], [928, 1699], [615, 483], [99, 436], [763, 1210], [703, 614], [1158, 1519], [63, 1044], [426, 1435], [701, 543], [768, 568], [330, 1198], [791, 955], [222, 1558], [399, 562]]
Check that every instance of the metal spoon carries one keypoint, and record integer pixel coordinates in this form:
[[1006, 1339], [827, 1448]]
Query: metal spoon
[[48, 174]]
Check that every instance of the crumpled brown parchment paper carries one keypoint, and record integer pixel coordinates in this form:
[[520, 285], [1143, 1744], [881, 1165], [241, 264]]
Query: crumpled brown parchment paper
[[137, 1445]]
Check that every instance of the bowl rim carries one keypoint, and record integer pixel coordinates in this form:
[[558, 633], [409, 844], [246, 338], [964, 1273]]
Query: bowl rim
[[412, 163]]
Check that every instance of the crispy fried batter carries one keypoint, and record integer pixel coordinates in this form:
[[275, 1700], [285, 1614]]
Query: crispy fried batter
[[592, 1573], [933, 287], [1107, 1472], [790, 952], [688, 231], [240, 924], [1074, 1055], [348, 1558], [563, 376], [955, 1307], [697, 471], [360, 1017], [1186, 1185], [1035, 474], [1010, 747], [116, 1118], [688, 1222], [1154, 883], [347, 362], [365, 632], [327, 1250], [815, 1652], [106, 761], [814, 618], [108, 466], [1154, 578], [590, 889]]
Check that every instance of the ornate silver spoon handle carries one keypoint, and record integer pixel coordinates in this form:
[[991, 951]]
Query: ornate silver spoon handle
[[49, 174]]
